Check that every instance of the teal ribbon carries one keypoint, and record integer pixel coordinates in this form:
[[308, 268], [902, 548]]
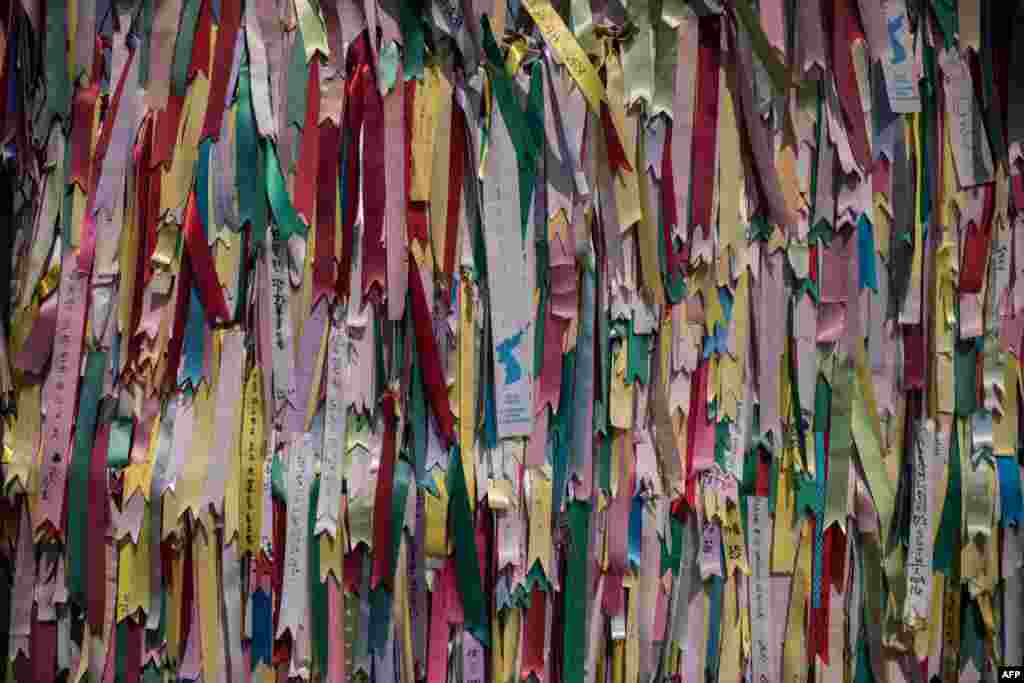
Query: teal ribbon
[[58, 84], [121, 634], [638, 357], [562, 429], [285, 216], [534, 116], [317, 589], [145, 36], [526, 140], [399, 499], [965, 368], [410, 23], [277, 487], [576, 591], [947, 545], [78, 487], [711, 664], [195, 342], [298, 80], [467, 567], [250, 182], [120, 445], [183, 46]]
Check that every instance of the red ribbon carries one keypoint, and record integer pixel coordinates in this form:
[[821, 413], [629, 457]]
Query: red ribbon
[[352, 122], [167, 133], [698, 411], [282, 648], [187, 596], [1017, 188], [846, 28], [456, 177], [616, 154], [382, 499], [535, 630], [705, 122], [375, 265], [976, 246], [227, 35], [913, 356], [426, 347], [676, 258], [764, 475], [83, 114], [200, 62], [132, 651], [326, 211], [201, 260], [43, 648], [309, 149]]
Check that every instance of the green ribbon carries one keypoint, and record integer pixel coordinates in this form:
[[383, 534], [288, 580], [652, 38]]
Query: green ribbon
[[387, 65], [534, 117], [317, 588], [285, 216], [576, 591], [947, 545], [467, 563], [58, 85], [561, 428], [120, 445], [120, 651], [145, 35], [972, 632], [638, 366], [948, 20], [525, 140], [78, 487], [151, 674], [183, 46], [252, 198], [277, 487], [298, 79], [410, 23], [399, 498], [965, 369]]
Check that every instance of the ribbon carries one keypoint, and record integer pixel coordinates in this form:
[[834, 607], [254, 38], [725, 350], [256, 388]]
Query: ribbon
[[466, 560], [59, 396], [201, 264], [79, 476], [252, 464], [305, 194], [382, 524], [705, 117], [293, 607], [326, 212], [335, 424], [426, 347]]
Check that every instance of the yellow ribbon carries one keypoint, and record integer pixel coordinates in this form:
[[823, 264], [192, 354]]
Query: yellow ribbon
[[569, 51]]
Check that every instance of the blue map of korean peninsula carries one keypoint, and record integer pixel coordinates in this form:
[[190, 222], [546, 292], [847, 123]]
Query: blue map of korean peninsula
[[507, 357]]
